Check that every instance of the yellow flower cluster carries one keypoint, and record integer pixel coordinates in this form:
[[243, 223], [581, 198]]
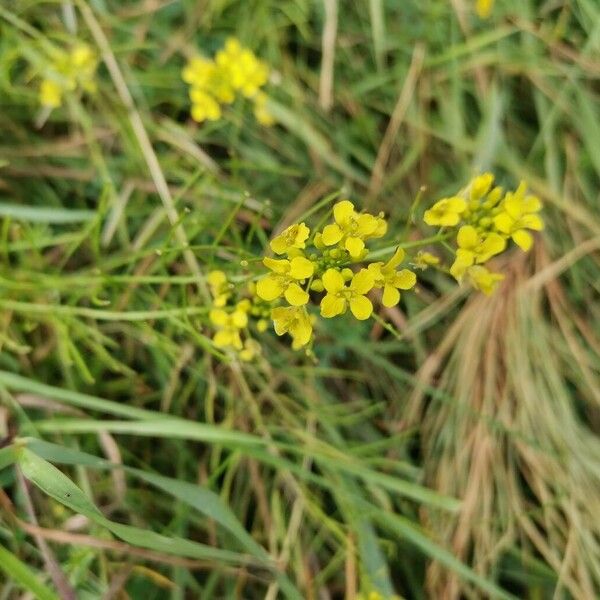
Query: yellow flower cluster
[[214, 83], [332, 270], [231, 320], [68, 72], [484, 8], [486, 218]]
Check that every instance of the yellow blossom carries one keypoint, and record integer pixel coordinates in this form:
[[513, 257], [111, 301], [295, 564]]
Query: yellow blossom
[[245, 71], [480, 186], [518, 213], [339, 295], [387, 277], [228, 326], [484, 8], [483, 280], [283, 280], [351, 228], [445, 212], [474, 248], [423, 260], [204, 106], [294, 237], [295, 321], [217, 281], [250, 351], [50, 94]]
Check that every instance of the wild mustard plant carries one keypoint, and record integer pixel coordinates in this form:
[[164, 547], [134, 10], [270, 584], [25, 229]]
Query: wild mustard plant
[[68, 71], [234, 71]]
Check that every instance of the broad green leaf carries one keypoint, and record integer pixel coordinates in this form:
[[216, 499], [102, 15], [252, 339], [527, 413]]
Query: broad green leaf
[[23, 576]]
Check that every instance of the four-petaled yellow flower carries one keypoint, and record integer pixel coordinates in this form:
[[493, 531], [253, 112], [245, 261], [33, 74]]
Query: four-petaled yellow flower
[[483, 280], [387, 277], [228, 326], [339, 296], [473, 248], [351, 228], [292, 239], [518, 213], [294, 320], [445, 212], [284, 278]]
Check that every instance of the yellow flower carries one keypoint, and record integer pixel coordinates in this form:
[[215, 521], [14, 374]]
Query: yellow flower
[[339, 295], [423, 260], [250, 351], [50, 94], [385, 276], [445, 212], [474, 249], [283, 280], [484, 8], [483, 280], [294, 237], [480, 186], [518, 213], [245, 72], [295, 321], [261, 113], [228, 327], [204, 106], [198, 72], [351, 228], [217, 281]]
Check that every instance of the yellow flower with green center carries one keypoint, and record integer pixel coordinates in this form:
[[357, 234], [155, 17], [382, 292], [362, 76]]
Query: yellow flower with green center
[[339, 295], [387, 277], [294, 320], [518, 213], [351, 229], [474, 248], [483, 280], [445, 212], [217, 281], [228, 326], [293, 238], [284, 278]]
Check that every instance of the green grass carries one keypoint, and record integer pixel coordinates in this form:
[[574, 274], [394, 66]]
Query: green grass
[[457, 459]]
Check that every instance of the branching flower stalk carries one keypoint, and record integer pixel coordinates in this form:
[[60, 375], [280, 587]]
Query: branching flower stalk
[[334, 269]]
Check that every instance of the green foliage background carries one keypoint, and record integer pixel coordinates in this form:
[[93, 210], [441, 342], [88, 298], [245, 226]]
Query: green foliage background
[[461, 460]]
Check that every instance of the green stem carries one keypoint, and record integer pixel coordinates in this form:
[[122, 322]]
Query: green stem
[[440, 237]]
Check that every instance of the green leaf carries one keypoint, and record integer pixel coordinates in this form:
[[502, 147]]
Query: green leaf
[[58, 486], [20, 573], [44, 214], [7, 457]]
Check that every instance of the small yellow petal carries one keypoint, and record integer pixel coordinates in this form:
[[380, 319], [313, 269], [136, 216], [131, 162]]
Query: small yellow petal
[[218, 317], [301, 267], [355, 246], [295, 295], [332, 234], [280, 266], [333, 281], [361, 307], [362, 282], [523, 239], [405, 279], [269, 288], [467, 237], [332, 306], [391, 296], [343, 211]]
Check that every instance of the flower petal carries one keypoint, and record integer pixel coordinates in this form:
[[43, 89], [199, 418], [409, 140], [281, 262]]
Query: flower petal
[[467, 237], [405, 279], [361, 307], [391, 296], [333, 281], [362, 282], [301, 267], [343, 212], [277, 265], [268, 288], [295, 295], [332, 306], [218, 317], [395, 260], [523, 239], [331, 235], [354, 246]]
